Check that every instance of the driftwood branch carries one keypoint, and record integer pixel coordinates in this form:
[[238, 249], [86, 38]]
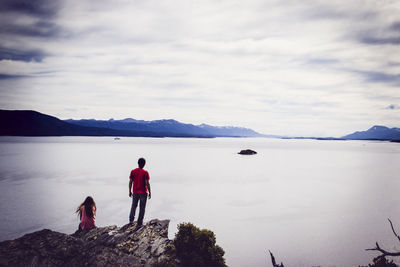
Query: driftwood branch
[[384, 252], [273, 260]]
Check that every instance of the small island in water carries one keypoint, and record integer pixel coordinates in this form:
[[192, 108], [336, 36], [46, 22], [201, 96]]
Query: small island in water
[[247, 152]]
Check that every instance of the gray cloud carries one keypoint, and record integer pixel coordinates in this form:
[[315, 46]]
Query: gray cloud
[[380, 40], [387, 33], [395, 26], [332, 11], [40, 8], [321, 61], [28, 55], [393, 64], [22, 20], [380, 77], [8, 76], [41, 28]]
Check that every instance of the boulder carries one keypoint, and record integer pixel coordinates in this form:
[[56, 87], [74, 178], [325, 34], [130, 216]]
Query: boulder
[[247, 152], [102, 246]]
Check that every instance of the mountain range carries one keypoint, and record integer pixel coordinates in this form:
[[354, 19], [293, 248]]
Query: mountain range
[[167, 128], [32, 123], [375, 133]]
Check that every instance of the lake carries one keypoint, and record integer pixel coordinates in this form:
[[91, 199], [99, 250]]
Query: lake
[[310, 202]]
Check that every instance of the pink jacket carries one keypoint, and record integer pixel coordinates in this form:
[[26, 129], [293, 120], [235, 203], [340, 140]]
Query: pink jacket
[[86, 222]]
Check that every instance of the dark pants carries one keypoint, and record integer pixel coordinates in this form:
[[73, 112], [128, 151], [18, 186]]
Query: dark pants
[[142, 198]]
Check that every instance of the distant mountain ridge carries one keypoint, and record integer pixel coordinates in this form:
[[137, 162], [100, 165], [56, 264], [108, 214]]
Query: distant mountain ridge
[[32, 123], [168, 126], [375, 133]]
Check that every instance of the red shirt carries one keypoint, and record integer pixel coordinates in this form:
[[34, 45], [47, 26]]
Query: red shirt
[[138, 176]]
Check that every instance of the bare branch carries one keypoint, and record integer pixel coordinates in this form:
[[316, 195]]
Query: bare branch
[[273, 261], [394, 232], [384, 252]]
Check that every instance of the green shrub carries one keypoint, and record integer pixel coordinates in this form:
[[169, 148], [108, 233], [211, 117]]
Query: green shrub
[[197, 248]]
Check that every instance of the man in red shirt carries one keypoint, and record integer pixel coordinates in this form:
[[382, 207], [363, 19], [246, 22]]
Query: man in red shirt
[[140, 179]]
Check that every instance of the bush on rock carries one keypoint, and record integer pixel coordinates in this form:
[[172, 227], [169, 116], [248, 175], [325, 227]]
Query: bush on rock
[[197, 247]]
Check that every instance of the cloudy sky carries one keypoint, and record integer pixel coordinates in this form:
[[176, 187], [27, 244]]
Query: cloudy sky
[[321, 68]]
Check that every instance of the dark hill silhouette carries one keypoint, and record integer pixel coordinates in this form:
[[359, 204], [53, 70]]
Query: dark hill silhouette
[[32, 123]]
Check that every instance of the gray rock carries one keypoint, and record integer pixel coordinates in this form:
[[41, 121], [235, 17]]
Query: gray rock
[[103, 246]]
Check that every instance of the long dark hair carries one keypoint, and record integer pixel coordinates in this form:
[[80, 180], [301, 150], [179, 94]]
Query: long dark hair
[[88, 204]]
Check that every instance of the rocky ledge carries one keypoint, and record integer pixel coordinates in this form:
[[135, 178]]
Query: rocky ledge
[[103, 246]]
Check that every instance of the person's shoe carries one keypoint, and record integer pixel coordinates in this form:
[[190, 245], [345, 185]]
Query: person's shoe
[[138, 227]]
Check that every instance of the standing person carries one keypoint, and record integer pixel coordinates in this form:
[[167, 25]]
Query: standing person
[[87, 214], [139, 178]]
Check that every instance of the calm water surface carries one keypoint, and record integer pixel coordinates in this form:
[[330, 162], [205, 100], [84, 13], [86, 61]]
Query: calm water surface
[[310, 202]]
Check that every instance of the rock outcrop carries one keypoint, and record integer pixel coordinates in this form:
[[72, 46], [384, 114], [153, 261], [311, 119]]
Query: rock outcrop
[[103, 246], [247, 152]]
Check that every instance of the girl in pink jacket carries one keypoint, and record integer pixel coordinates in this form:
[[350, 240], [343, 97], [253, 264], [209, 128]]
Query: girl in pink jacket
[[87, 214]]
